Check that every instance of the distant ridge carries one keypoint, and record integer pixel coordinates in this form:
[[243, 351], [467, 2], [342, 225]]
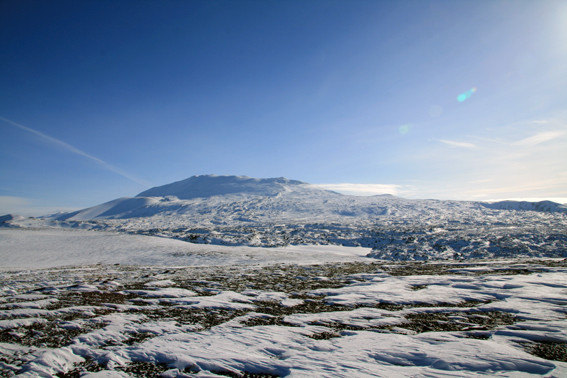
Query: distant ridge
[[544, 206]]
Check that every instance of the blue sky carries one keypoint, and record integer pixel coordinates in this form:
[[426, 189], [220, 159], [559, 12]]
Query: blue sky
[[423, 99]]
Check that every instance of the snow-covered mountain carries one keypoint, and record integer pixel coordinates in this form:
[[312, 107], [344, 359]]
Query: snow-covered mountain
[[239, 210], [210, 199]]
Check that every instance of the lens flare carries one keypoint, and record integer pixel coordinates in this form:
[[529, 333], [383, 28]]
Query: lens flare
[[465, 96], [404, 129]]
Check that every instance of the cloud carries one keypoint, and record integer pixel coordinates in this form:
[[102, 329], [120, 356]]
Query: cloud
[[364, 189], [539, 138], [453, 143], [75, 150]]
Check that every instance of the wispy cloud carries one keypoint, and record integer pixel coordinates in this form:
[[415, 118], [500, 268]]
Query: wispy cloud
[[454, 143], [75, 150], [539, 138], [364, 189]]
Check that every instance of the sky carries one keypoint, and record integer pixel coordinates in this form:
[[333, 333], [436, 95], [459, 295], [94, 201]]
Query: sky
[[103, 99]]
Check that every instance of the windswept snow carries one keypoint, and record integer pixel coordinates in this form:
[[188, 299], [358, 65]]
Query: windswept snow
[[340, 320]]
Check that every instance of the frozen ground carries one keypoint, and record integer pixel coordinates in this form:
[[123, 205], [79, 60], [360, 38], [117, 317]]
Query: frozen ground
[[255, 312]]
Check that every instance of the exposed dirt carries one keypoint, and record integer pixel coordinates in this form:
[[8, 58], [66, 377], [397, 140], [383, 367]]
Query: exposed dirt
[[456, 321], [52, 334], [550, 350]]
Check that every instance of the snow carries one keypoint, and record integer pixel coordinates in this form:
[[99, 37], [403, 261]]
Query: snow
[[50, 362], [31, 249], [125, 207], [288, 352]]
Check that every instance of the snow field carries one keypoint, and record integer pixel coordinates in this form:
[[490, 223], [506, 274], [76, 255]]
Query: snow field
[[44, 248]]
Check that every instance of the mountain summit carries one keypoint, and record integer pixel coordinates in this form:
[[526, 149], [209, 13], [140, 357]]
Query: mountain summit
[[212, 185]]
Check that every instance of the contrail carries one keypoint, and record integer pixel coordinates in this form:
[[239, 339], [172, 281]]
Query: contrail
[[79, 152]]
